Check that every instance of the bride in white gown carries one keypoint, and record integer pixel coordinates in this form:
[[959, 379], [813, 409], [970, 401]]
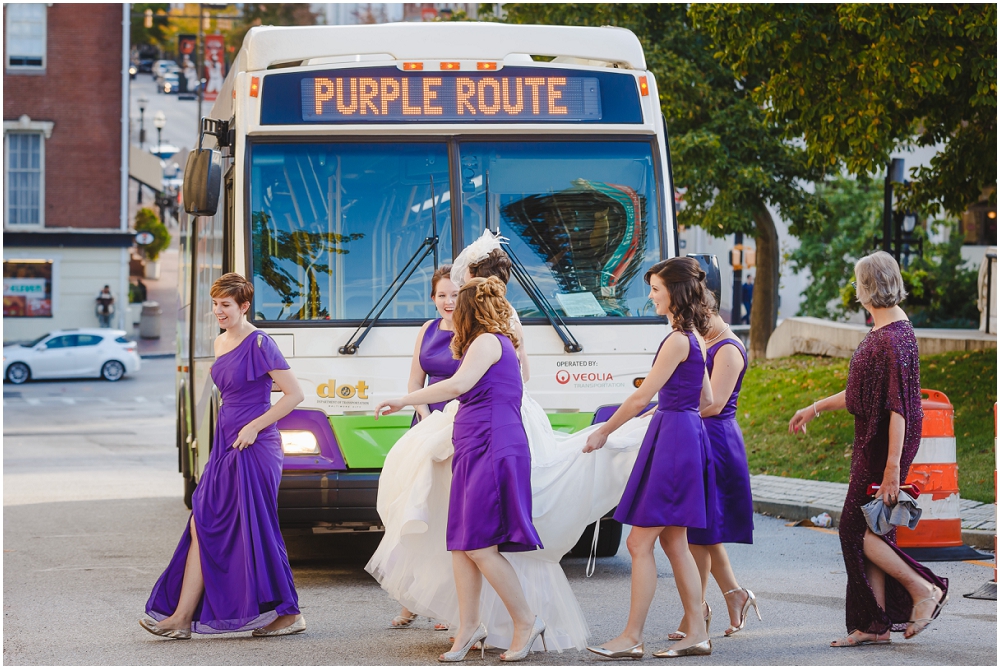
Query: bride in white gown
[[569, 490]]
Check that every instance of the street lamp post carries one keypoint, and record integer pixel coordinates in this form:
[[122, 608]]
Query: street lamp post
[[142, 114], [160, 121]]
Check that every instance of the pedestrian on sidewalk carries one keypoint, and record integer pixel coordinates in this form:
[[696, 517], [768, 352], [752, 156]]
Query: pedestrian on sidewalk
[[105, 307], [669, 489], [886, 590], [727, 363], [747, 295], [230, 572]]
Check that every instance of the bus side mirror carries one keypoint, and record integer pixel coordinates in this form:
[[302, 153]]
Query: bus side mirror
[[202, 182]]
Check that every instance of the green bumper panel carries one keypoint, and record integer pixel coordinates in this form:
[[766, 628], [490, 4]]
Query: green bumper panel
[[571, 422], [364, 441]]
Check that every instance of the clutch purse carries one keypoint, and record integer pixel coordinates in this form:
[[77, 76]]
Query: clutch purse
[[882, 519]]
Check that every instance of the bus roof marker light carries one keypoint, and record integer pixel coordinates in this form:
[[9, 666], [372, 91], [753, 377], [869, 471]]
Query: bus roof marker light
[[451, 65], [643, 87], [254, 86], [486, 66], [413, 66]]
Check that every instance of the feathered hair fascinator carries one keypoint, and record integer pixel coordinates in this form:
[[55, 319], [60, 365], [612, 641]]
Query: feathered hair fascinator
[[475, 252]]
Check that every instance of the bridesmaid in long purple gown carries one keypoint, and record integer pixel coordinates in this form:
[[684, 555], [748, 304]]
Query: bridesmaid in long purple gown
[[727, 363], [887, 591], [490, 505], [670, 487], [432, 362], [230, 572]]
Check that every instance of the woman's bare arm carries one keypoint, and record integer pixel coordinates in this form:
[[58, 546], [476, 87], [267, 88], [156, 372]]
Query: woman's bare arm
[[291, 397]]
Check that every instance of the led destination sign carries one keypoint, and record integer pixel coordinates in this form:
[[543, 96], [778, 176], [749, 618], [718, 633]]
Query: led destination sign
[[501, 98], [389, 95]]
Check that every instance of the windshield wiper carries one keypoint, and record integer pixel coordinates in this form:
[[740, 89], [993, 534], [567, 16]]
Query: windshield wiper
[[427, 247], [520, 272]]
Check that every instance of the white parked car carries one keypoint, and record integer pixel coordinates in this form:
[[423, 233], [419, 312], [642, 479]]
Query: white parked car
[[73, 353]]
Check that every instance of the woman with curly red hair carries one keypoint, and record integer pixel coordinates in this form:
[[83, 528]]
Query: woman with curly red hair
[[489, 509]]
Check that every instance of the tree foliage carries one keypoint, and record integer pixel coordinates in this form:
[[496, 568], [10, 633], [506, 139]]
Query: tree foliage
[[146, 220], [852, 217], [858, 81], [731, 163]]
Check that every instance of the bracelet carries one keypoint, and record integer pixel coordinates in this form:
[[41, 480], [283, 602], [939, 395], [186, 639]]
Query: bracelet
[[815, 411]]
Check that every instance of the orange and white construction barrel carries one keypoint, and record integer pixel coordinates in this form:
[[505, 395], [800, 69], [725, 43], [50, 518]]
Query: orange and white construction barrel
[[935, 471]]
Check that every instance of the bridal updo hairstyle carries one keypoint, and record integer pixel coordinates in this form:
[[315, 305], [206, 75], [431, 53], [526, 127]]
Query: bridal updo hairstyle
[[690, 300], [481, 307], [234, 286], [497, 264]]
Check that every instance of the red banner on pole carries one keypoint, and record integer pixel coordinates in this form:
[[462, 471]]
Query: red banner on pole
[[215, 66]]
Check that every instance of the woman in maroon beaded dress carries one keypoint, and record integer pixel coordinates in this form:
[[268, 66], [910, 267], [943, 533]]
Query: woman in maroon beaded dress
[[886, 590]]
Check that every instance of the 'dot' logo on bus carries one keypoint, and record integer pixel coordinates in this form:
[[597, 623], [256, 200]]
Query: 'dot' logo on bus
[[562, 376], [343, 391]]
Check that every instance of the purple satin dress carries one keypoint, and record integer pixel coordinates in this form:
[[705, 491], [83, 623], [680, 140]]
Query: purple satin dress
[[248, 582], [671, 481], [733, 499], [884, 377], [490, 502], [436, 359]]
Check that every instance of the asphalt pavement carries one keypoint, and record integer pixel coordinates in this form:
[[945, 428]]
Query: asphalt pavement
[[93, 511]]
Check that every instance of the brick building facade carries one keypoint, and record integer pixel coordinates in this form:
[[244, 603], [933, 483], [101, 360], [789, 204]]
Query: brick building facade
[[65, 172]]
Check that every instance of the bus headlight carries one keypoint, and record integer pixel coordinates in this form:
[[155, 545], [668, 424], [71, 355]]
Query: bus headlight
[[299, 442]]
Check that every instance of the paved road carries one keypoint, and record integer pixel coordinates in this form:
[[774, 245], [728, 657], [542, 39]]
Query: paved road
[[92, 512]]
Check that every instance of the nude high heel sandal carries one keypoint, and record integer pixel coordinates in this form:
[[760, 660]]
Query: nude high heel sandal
[[537, 629], [751, 601], [678, 635]]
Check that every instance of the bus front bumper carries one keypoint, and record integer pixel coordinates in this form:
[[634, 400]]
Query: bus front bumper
[[334, 500]]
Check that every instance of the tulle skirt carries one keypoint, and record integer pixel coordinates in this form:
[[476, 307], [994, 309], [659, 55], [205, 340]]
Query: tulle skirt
[[570, 490]]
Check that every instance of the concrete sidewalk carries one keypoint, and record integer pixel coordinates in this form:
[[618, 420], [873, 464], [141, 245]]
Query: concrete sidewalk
[[797, 499]]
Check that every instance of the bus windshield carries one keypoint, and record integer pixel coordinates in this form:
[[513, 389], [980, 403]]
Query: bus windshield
[[332, 224]]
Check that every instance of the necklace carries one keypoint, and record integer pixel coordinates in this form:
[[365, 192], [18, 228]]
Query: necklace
[[717, 337]]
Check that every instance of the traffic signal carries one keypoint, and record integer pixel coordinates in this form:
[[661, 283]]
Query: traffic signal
[[148, 22]]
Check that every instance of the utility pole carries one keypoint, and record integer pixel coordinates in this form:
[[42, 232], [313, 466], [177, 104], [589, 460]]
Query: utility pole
[[199, 56], [737, 314], [895, 173]]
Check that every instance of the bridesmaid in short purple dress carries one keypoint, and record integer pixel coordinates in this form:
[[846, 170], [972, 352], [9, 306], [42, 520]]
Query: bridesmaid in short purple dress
[[727, 363], [670, 487], [230, 572], [432, 362], [490, 504]]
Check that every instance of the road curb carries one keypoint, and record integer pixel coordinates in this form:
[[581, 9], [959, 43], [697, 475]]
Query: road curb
[[982, 539], [792, 510], [153, 356]]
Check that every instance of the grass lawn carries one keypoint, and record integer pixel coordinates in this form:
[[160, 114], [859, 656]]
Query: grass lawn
[[774, 389]]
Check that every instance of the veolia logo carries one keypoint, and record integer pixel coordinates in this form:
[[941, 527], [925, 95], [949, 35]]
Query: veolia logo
[[344, 391], [562, 376]]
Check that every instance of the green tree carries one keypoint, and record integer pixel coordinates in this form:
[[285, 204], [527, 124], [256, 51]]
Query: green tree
[[146, 220], [154, 36], [859, 81], [853, 215], [733, 165]]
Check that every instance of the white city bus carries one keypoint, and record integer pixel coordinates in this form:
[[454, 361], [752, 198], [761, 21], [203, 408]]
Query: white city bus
[[355, 159]]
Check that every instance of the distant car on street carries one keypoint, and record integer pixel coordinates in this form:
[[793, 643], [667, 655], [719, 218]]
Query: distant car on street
[[168, 83], [146, 65], [161, 67], [63, 354]]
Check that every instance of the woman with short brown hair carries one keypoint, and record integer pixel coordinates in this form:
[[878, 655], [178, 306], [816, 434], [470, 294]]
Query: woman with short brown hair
[[886, 590]]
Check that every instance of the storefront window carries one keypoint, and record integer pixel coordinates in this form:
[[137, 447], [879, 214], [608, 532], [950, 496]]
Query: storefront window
[[27, 288]]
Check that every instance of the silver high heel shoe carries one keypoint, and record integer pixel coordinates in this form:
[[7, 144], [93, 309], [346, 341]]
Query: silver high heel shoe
[[459, 655], [297, 627], [151, 627], [751, 601], [634, 653], [537, 628]]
